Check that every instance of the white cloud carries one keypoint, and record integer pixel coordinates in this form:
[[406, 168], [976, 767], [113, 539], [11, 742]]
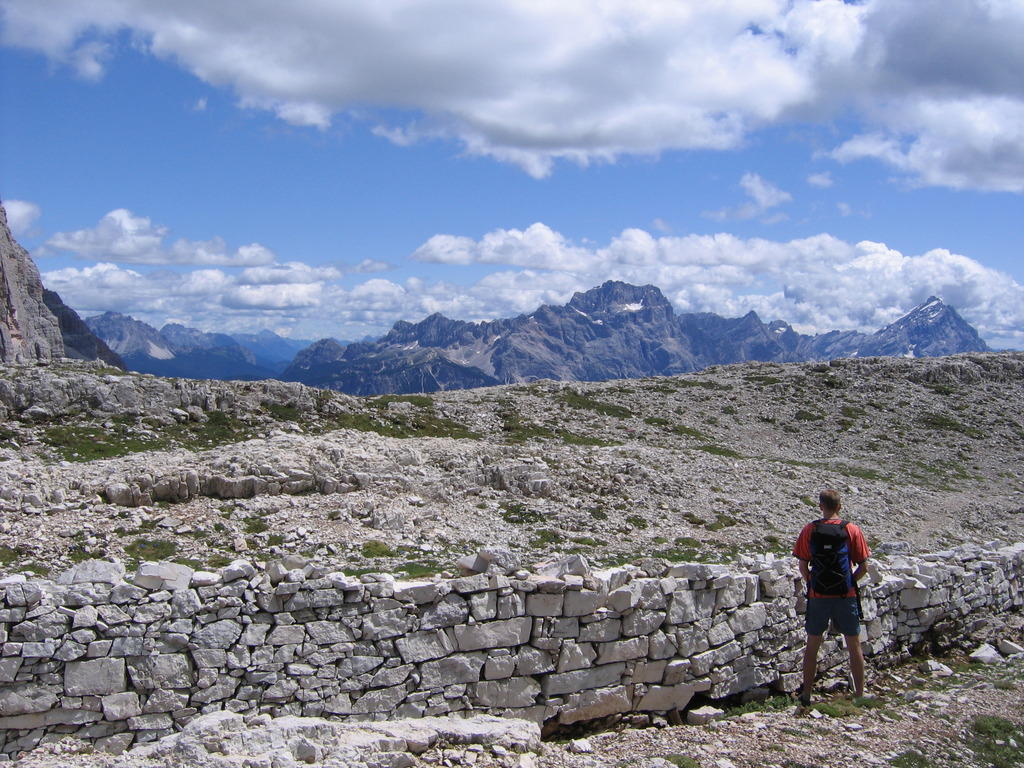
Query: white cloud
[[524, 82], [292, 272], [287, 296], [967, 143], [821, 180], [763, 197], [532, 83], [21, 215], [367, 266], [818, 283], [125, 238]]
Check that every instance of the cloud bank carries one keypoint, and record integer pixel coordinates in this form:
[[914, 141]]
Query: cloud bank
[[534, 83], [129, 239], [21, 215]]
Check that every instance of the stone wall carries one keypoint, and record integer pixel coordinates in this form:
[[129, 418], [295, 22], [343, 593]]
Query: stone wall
[[120, 662]]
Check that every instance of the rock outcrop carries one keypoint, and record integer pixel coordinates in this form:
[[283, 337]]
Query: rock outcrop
[[28, 329]]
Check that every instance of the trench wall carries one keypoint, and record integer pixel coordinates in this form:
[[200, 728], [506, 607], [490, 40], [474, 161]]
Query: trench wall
[[118, 661]]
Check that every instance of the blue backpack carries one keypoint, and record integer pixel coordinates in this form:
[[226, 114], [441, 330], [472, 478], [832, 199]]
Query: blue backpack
[[830, 559]]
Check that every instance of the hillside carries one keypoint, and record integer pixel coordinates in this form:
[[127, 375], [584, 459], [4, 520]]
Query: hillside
[[927, 454]]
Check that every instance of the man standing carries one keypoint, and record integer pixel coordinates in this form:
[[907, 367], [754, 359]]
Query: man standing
[[833, 556]]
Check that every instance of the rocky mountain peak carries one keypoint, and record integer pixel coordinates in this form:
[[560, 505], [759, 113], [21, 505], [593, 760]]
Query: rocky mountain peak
[[930, 329], [616, 296], [185, 339], [128, 336]]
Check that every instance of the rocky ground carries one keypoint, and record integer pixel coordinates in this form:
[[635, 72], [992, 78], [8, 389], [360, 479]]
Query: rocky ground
[[926, 452]]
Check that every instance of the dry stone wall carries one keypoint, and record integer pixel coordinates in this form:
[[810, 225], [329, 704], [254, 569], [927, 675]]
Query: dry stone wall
[[119, 661]]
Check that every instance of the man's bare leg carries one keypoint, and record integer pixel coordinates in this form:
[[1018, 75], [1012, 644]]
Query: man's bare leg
[[856, 663], [810, 667]]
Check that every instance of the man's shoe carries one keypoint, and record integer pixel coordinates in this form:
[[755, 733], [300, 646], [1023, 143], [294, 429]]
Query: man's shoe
[[805, 698]]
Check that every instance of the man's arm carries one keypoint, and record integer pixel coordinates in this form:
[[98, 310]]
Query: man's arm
[[862, 568], [805, 570]]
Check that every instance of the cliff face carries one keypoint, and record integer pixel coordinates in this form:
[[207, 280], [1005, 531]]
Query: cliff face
[[28, 329]]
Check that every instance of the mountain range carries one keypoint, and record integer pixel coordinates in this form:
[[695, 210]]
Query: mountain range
[[176, 350], [616, 330]]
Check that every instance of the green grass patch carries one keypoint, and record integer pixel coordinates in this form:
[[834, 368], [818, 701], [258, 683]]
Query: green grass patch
[[712, 385], [998, 741], [721, 521], [758, 378], [515, 430], [284, 412], [861, 472], [89, 443], [940, 422], [545, 537], [39, 569], [685, 431], [424, 402], [587, 541], [770, 704], [375, 548], [841, 707], [9, 555], [151, 549], [519, 514], [586, 403], [803, 415], [637, 522], [681, 761], [657, 421], [416, 570], [911, 759], [719, 450], [422, 421], [255, 525]]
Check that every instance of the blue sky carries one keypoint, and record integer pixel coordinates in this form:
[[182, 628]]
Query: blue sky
[[325, 169]]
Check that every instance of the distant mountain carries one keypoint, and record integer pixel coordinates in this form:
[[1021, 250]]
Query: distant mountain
[[80, 343], [176, 350], [271, 351], [931, 330], [614, 331]]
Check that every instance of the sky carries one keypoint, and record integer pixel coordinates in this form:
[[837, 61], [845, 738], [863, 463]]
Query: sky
[[329, 167]]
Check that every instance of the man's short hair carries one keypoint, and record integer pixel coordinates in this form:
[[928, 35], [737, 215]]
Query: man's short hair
[[829, 500]]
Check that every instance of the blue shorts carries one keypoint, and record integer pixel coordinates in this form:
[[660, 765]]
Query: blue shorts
[[841, 610]]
